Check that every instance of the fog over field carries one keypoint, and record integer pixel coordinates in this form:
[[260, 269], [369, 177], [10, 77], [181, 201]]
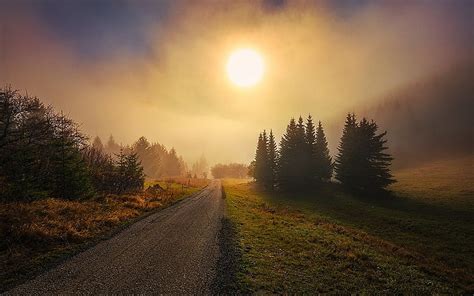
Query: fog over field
[[162, 74]]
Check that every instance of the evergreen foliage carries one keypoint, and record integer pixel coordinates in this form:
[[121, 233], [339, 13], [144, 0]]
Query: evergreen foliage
[[287, 171], [69, 174], [261, 160], [345, 164], [129, 173], [303, 159], [272, 162], [43, 153], [40, 151], [362, 163], [310, 140], [101, 168], [322, 160]]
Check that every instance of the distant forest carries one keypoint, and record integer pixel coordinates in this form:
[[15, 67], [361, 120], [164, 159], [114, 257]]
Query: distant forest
[[430, 119], [157, 161], [231, 170]]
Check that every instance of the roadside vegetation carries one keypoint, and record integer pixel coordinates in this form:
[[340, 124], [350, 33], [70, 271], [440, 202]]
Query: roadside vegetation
[[60, 194], [39, 234], [416, 240]]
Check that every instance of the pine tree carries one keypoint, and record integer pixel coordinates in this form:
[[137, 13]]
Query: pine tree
[[374, 162], [310, 139], [288, 170], [120, 180], [345, 164], [267, 171], [272, 160], [362, 163], [97, 144], [112, 147], [322, 159], [134, 173], [302, 158], [261, 160]]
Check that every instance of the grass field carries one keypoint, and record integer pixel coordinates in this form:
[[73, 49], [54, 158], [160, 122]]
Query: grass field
[[419, 240], [36, 235]]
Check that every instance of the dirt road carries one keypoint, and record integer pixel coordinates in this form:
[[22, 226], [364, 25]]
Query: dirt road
[[174, 251]]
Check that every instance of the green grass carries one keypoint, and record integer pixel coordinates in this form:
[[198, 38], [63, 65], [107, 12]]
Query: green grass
[[419, 240]]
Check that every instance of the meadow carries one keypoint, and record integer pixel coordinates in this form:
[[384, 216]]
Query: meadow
[[418, 239], [40, 234]]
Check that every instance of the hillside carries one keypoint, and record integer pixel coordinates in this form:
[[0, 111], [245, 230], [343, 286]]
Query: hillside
[[430, 119]]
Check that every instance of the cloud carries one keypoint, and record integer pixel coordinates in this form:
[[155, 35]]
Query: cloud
[[170, 86]]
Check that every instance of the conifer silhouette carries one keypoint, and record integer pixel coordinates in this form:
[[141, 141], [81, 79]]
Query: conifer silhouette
[[287, 147], [310, 139], [322, 159], [272, 162], [362, 163], [261, 159], [347, 153]]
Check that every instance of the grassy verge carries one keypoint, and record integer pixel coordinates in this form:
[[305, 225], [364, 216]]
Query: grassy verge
[[419, 240], [37, 235]]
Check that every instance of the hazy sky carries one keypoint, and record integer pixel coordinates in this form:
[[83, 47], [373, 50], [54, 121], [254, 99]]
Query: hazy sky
[[157, 68]]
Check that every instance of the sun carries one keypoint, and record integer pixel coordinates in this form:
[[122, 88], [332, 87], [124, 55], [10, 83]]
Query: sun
[[245, 67]]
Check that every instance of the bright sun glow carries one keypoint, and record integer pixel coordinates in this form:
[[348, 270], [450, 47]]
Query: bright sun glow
[[245, 67]]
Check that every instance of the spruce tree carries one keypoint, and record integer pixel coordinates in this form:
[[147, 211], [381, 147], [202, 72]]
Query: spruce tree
[[310, 139], [345, 164], [322, 159], [261, 156], [374, 161], [288, 172], [120, 180], [134, 173], [362, 163], [302, 158], [267, 171], [272, 160], [97, 144]]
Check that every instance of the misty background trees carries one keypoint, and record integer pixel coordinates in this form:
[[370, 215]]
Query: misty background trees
[[156, 160], [231, 170], [200, 168], [303, 159]]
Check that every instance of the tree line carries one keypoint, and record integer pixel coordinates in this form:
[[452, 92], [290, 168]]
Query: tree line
[[231, 170], [156, 159], [303, 159], [43, 153]]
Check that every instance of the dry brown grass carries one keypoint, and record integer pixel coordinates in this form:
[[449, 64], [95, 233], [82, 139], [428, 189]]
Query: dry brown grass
[[190, 182], [36, 233]]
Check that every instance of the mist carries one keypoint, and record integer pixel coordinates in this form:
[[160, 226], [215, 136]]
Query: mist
[[321, 58]]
